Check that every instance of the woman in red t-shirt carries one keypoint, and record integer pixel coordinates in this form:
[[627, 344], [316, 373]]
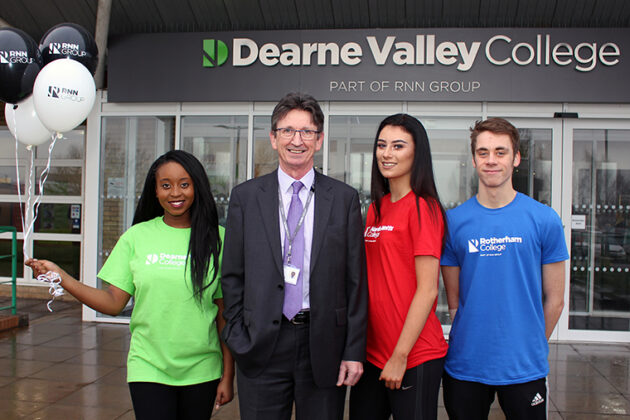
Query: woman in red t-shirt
[[404, 236]]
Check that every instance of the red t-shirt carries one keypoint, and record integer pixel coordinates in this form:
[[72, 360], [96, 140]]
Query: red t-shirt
[[391, 246]]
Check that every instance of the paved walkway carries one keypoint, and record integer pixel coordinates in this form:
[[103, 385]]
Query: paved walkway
[[60, 368]]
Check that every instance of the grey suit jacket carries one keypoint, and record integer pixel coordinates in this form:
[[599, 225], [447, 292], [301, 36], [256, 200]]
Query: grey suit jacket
[[253, 284]]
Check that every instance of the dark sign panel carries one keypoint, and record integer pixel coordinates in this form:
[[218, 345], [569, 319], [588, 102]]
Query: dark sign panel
[[515, 65]]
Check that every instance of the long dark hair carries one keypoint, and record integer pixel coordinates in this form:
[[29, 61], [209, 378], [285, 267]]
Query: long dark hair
[[205, 242], [422, 179]]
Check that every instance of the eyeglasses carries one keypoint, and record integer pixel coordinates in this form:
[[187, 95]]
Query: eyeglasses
[[289, 133]]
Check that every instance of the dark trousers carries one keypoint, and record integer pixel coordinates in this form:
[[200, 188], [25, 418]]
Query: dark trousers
[[416, 399], [152, 401], [288, 378], [472, 400]]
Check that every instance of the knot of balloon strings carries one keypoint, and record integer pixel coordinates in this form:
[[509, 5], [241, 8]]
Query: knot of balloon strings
[[55, 289]]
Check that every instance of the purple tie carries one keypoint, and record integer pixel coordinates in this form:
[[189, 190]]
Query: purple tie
[[293, 293]]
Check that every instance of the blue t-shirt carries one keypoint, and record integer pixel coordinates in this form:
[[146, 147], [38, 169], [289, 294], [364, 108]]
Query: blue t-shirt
[[498, 335]]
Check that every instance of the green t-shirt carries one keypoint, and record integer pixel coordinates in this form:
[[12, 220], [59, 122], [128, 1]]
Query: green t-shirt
[[174, 340]]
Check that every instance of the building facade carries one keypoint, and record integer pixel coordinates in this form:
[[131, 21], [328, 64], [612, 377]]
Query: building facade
[[212, 94]]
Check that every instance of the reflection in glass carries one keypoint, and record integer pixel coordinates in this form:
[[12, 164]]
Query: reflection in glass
[[10, 215], [533, 176], [220, 143], [61, 180], [69, 146], [8, 180], [265, 158], [350, 152], [452, 161], [600, 234], [66, 255], [56, 218], [5, 263], [64, 179], [67, 149], [7, 145], [129, 145]]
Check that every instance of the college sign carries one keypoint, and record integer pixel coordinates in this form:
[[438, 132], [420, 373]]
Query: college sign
[[515, 65]]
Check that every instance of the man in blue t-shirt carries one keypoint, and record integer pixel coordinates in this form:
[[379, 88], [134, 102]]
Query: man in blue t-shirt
[[504, 271]]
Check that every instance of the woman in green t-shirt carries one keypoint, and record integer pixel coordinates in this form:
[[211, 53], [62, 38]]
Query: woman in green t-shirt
[[169, 261]]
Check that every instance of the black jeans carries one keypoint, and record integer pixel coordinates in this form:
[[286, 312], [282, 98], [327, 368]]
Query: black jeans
[[152, 401]]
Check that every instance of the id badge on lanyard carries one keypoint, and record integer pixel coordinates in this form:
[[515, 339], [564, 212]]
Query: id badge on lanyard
[[291, 273]]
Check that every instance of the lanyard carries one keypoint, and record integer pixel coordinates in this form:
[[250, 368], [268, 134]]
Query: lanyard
[[300, 221]]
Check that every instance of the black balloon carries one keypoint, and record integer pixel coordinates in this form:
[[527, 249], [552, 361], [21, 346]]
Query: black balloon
[[20, 62], [69, 40]]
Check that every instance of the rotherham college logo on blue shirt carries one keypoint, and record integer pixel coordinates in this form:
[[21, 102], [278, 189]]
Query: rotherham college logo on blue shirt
[[492, 246]]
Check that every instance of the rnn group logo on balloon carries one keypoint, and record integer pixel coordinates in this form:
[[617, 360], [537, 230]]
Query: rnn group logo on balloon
[[9, 57], [64, 93], [215, 52], [65, 48]]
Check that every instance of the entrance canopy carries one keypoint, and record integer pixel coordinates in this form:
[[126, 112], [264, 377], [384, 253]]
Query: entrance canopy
[[146, 16]]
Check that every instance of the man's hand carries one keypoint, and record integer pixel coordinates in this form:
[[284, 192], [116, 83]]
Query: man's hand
[[349, 373]]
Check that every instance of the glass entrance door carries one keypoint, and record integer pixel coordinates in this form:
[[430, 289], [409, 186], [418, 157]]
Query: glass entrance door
[[598, 165], [351, 141]]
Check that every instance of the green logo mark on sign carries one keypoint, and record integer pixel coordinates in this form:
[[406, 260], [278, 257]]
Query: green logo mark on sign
[[215, 53]]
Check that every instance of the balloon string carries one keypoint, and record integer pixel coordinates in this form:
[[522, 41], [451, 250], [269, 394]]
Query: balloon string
[[44, 175], [53, 278], [33, 205], [29, 202], [19, 189], [55, 288]]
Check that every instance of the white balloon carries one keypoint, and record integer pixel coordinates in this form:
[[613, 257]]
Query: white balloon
[[24, 123], [64, 94]]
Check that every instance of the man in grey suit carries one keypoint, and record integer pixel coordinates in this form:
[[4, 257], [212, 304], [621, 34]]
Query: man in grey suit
[[293, 278]]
